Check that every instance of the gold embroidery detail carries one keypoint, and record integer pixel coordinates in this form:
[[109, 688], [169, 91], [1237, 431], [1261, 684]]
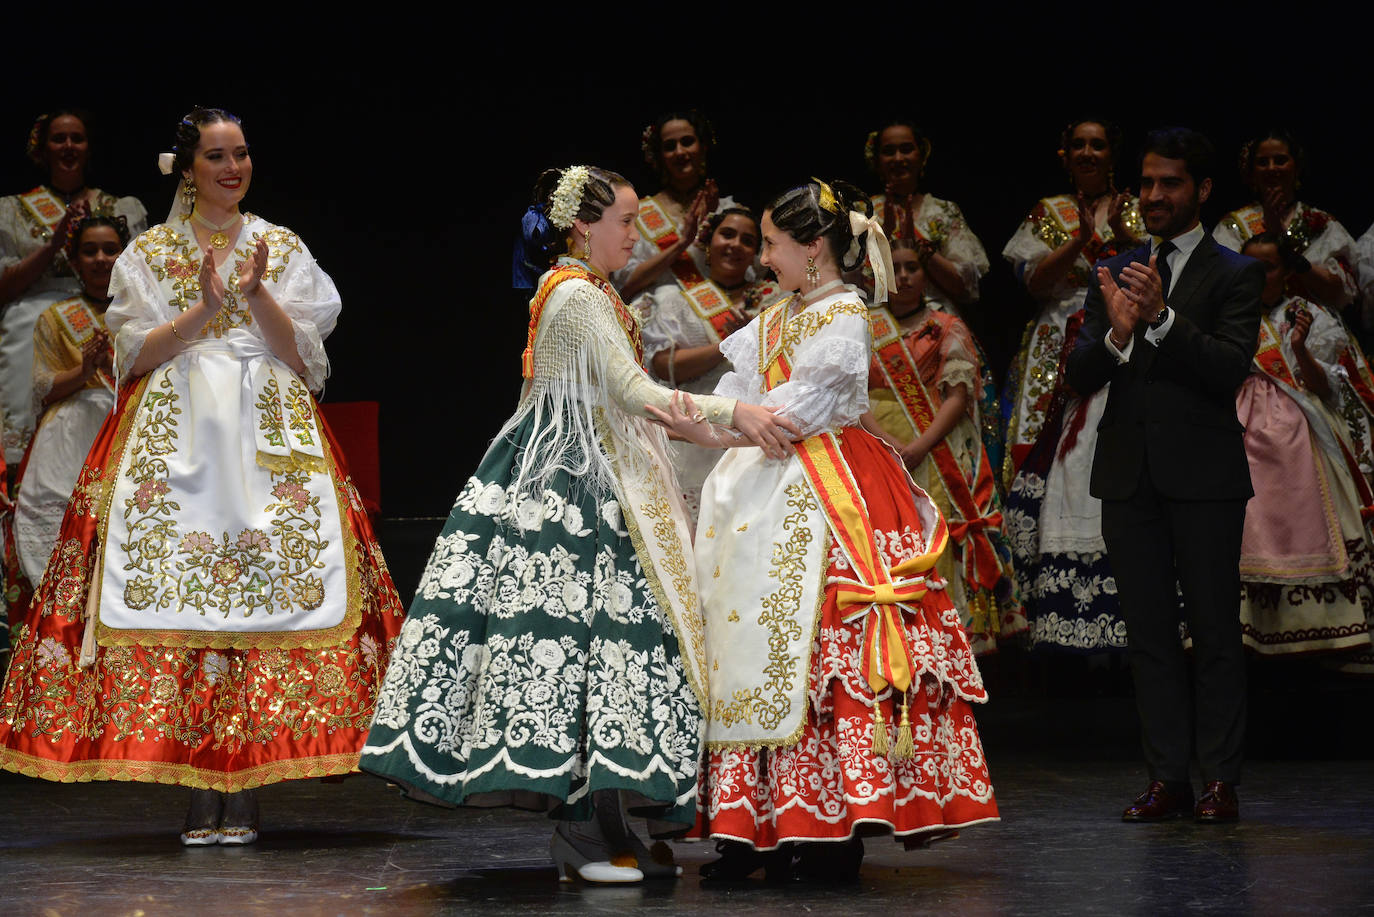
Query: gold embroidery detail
[[733, 616], [742, 527], [716, 574], [180, 774], [269, 404], [253, 571], [152, 427], [674, 563], [807, 324], [302, 416], [711, 532], [781, 615]]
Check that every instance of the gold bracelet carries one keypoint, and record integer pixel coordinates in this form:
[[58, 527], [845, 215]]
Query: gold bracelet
[[178, 336]]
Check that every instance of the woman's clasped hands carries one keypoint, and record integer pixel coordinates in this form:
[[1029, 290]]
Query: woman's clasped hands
[[760, 426]]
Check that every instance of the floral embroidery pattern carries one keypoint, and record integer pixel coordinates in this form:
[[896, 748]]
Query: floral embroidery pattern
[[830, 779], [527, 647], [182, 695], [781, 613], [269, 408], [302, 415], [232, 574], [1070, 598]]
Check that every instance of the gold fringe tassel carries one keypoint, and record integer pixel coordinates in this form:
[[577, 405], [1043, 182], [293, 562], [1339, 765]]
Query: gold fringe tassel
[[905, 748], [879, 729]]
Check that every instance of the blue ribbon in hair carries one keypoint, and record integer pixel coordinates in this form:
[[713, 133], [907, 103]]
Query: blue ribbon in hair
[[534, 249]]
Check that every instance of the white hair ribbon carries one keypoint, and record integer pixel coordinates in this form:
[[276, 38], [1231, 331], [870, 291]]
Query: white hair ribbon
[[879, 254], [165, 162]]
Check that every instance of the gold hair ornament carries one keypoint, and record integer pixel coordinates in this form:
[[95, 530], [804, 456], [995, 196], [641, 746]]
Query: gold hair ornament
[[828, 200]]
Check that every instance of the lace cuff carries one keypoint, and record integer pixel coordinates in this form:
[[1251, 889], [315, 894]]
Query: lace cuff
[[311, 350], [956, 373]]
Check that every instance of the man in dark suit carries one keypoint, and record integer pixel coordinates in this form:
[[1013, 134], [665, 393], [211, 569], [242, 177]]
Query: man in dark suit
[[1173, 327]]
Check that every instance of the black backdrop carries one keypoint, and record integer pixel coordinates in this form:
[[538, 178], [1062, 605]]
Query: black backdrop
[[405, 168]]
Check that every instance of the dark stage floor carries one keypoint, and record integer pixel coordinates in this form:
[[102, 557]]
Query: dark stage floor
[[1305, 845]]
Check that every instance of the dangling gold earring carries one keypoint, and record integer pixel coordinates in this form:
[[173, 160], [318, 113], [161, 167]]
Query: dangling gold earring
[[587, 246], [188, 193], [813, 273]]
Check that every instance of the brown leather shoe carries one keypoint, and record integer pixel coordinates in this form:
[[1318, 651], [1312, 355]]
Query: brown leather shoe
[[1218, 802], [1159, 802]]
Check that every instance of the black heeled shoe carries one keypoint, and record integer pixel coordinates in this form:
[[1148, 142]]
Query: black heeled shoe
[[830, 863], [738, 861]]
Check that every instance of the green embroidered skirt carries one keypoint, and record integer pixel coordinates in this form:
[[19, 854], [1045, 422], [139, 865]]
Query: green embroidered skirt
[[535, 665]]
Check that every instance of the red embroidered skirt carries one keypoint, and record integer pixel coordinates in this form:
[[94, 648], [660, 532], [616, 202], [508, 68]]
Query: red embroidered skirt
[[223, 719], [830, 782]]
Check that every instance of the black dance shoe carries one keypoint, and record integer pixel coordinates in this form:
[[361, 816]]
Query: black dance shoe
[[738, 861]]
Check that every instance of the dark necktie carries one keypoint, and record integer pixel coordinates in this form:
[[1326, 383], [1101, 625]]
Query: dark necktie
[[1166, 275]]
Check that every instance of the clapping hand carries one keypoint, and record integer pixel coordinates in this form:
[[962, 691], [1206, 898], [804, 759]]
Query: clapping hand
[[1116, 216], [96, 355], [1145, 288], [211, 287], [251, 271], [1275, 205], [76, 212], [711, 194], [1087, 221], [692, 217], [1302, 326], [1141, 299]]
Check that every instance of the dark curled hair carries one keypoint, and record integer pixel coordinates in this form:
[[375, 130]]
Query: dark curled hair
[[712, 222], [38, 132], [1193, 148], [651, 140], [542, 241], [1284, 136], [118, 223], [799, 214], [1292, 260], [1108, 127], [188, 134]]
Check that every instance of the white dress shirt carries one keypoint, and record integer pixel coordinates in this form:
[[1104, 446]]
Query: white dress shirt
[[1177, 259]]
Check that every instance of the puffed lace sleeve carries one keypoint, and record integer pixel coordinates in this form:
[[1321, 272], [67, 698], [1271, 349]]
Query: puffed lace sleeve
[[309, 298], [133, 211], [1335, 249], [959, 361], [828, 387], [135, 309], [663, 326], [10, 251], [1326, 340], [743, 382], [47, 358], [1026, 249], [963, 248]]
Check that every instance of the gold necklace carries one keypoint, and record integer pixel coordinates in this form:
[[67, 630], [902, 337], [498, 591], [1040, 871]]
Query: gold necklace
[[218, 240]]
